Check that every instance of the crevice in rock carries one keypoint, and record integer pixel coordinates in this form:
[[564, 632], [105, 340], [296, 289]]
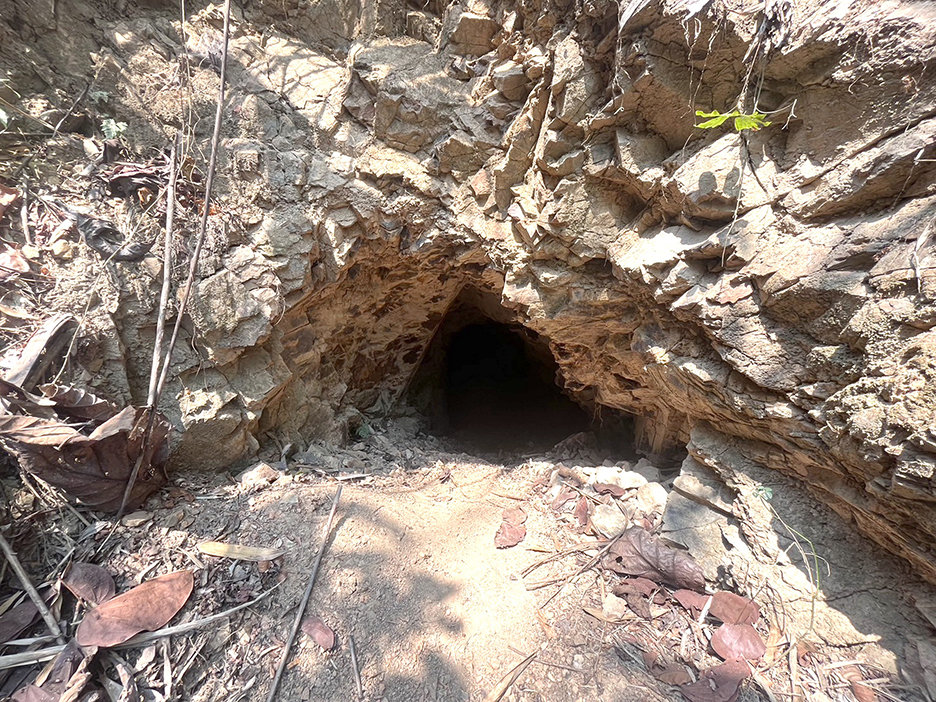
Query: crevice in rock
[[493, 385]]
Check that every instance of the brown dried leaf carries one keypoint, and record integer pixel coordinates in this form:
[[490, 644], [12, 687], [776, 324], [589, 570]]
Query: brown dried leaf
[[89, 582], [16, 619], [514, 515], [738, 641], [509, 535], [565, 496], [718, 684], [320, 632], [637, 552], [144, 608], [862, 692], [7, 197], [730, 608], [693, 601], [11, 263], [511, 531], [609, 489], [78, 403], [95, 468], [581, 511], [67, 678]]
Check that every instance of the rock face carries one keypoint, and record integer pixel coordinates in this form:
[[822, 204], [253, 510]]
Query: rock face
[[765, 296]]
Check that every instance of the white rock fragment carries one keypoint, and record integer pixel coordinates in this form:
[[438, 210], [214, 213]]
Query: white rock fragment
[[260, 475], [651, 499], [613, 475], [609, 520]]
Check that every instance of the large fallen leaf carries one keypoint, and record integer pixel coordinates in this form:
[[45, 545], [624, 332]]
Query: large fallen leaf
[[239, 552], [637, 552], [321, 633], [15, 620], [511, 531], [146, 607], [738, 641], [92, 468], [718, 684], [90, 582], [730, 608]]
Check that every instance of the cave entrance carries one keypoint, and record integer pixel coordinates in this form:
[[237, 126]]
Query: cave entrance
[[493, 385]]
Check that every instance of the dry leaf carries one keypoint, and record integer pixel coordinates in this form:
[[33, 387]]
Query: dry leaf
[[738, 641], [240, 553], [609, 489], [11, 263], [497, 694], [862, 692], [511, 531], [565, 496], [93, 468], [718, 684], [89, 582], [321, 633], [67, 678], [730, 608], [144, 608], [581, 511], [637, 552], [16, 619], [693, 601]]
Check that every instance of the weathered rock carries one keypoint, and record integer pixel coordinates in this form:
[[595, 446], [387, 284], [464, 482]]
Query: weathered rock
[[765, 298]]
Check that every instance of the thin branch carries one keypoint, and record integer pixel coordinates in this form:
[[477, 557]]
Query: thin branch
[[167, 274], [305, 600]]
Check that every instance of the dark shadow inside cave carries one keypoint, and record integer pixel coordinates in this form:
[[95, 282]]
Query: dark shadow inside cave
[[493, 385]]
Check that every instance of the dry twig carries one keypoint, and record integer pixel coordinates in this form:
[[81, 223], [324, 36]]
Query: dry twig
[[305, 599]]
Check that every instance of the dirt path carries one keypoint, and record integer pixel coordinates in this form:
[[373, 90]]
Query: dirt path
[[436, 611]]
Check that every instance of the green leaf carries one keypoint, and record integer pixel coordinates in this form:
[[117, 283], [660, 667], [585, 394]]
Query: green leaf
[[113, 129], [718, 118], [754, 121]]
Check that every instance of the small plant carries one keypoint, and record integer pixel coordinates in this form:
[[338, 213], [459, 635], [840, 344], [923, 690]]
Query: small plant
[[99, 97], [112, 129], [753, 121]]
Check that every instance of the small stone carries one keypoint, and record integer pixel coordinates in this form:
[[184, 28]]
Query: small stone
[[29, 251], [62, 249], [609, 520], [578, 661], [260, 475], [612, 475], [651, 499], [614, 607], [135, 519]]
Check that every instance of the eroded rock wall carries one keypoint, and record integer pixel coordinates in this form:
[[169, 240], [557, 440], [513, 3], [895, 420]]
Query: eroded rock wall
[[773, 287]]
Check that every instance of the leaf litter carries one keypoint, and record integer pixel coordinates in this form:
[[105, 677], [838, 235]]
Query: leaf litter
[[146, 607]]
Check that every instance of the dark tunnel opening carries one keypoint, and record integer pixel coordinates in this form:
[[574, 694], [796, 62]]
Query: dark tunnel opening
[[493, 386], [499, 396]]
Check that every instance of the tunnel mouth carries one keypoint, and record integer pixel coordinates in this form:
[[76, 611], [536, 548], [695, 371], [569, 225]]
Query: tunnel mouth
[[492, 386]]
